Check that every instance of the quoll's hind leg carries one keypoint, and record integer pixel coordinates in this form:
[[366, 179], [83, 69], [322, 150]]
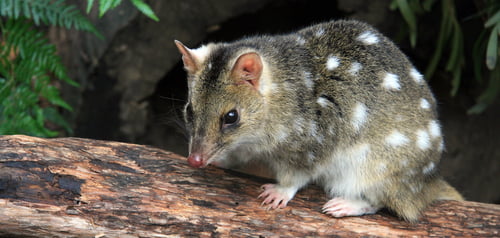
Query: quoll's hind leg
[[341, 207]]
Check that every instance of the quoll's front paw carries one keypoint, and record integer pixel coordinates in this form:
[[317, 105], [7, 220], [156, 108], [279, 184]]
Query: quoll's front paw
[[274, 196], [340, 207]]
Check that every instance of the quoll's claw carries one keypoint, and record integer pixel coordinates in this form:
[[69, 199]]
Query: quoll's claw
[[339, 207], [273, 198]]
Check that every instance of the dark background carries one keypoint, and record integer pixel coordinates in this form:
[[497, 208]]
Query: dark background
[[133, 84]]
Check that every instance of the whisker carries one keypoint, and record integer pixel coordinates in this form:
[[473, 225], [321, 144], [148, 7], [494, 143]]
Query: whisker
[[173, 99], [172, 117]]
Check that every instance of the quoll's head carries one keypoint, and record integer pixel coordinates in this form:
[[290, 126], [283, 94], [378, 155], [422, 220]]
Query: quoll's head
[[225, 103]]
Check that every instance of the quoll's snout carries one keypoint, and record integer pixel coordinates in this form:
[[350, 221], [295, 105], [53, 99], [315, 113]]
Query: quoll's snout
[[195, 160]]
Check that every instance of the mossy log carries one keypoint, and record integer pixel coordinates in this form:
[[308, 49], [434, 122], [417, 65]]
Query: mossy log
[[72, 187]]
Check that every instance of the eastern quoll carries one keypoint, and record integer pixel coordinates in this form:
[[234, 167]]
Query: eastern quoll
[[335, 103]]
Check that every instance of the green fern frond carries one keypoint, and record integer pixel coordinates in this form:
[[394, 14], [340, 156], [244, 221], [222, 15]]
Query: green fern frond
[[49, 12], [33, 48], [106, 5], [145, 9], [26, 62]]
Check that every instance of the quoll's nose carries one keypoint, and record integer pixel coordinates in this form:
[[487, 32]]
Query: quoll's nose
[[195, 160]]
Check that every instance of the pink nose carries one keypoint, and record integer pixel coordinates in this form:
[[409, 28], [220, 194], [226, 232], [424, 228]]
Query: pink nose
[[195, 160]]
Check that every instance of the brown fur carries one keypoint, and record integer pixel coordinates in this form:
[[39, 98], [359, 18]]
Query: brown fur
[[311, 123]]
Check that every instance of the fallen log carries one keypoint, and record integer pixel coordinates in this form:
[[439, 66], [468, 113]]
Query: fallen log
[[72, 187]]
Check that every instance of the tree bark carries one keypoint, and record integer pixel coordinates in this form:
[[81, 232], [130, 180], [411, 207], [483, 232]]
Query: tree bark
[[72, 187]]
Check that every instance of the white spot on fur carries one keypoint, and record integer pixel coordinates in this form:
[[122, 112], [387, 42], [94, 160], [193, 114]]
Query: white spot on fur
[[331, 130], [412, 172], [301, 40], [308, 80], [416, 76], [313, 131], [310, 156], [320, 138], [281, 135], [441, 146], [428, 168], [434, 129], [416, 188], [423, 140], [396, 139], [320, 32], [323, 102], [360, 113], [368, 38], [382, 167], [201, 53], [355, 68], [332, 63], [299, 125], [312, 128], [424, 104], [391, 82], [210, 65]]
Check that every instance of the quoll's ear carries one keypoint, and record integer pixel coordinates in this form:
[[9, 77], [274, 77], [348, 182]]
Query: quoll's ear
[[192, 59], [248, 69], [187, 58]]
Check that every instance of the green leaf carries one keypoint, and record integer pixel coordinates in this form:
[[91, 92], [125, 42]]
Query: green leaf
[[492, 48], [456, 53], [51, 93], [477, 109], [394, 5], [52, 115], [410, 19], [90, 3], [428, 4], [26, 9], [455, 82], [478, 51], [53, 12], [39, 118], [17, 9], [444, 34], [488, 96], [495, 19], [145, 9], [115, 3], [104, 6]]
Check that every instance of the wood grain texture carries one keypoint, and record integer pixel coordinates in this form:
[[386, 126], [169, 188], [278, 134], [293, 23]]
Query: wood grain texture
[[71, 187]]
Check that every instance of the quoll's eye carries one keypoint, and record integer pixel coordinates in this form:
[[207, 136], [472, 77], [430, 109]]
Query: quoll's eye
[[230, 118]]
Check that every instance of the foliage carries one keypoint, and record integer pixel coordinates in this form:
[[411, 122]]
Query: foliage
[[28, 62], [485, 51], [47, 11], [106, 5], [30, 69]]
